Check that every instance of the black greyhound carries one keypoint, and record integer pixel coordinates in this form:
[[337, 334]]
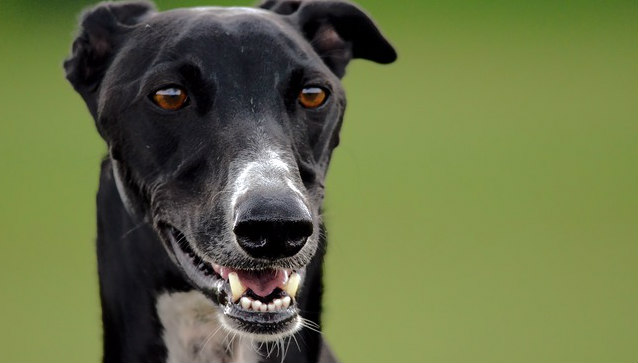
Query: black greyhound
[[220, 124]]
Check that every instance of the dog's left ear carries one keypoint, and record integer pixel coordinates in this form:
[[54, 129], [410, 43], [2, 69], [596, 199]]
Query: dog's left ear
[[101, 30], [338, 31]]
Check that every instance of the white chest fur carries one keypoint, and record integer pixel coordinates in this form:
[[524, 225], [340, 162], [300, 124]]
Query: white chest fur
[[193, 333]]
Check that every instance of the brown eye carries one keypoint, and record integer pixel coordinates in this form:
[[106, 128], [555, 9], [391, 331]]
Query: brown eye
[[312, 97], [171, 99]]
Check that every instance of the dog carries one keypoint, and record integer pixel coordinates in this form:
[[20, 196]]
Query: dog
[[220, 124]]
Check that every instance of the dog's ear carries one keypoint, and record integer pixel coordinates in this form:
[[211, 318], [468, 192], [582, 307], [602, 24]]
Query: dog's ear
[[101, 31], [283, 7], [338, 31]]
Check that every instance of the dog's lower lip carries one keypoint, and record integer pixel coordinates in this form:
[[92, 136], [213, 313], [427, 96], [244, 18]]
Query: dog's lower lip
[[262, 323], [263, 312]]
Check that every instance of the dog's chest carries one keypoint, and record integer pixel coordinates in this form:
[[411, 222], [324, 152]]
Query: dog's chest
[[192, 333]]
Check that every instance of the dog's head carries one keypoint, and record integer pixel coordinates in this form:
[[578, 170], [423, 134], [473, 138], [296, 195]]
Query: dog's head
[[220, 124]]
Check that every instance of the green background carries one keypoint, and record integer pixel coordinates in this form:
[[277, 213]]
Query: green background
[[481, 208]]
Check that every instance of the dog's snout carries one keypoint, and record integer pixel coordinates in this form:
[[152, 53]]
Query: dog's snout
[[272, 226]]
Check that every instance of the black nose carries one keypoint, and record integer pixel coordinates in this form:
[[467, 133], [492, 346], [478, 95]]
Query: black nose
[[272, 225]]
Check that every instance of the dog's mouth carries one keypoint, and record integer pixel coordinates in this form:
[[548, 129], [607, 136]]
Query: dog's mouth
[[256, 302]]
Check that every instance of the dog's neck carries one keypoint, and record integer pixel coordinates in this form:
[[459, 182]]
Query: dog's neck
[[151, 313]]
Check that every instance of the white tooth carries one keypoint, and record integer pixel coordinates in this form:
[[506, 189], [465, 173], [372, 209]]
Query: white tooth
[[256, 305], [263, 308], [277, 303], [245, 302], [285, 302], [293, 284], [236, 288], [271, 307]]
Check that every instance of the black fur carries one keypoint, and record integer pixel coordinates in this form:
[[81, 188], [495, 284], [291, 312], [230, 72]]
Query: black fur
[[242, 73]]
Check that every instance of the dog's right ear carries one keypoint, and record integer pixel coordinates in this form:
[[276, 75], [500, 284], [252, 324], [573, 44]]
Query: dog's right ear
[[337, 29], [101, 30]]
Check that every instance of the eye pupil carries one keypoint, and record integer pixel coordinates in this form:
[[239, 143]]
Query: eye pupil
[[171, 98], [312, 97]]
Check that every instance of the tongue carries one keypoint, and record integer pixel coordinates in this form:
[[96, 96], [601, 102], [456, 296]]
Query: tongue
[[262, 283]]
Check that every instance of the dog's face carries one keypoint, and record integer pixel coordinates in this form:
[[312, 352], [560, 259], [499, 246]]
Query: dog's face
[[220, 124]]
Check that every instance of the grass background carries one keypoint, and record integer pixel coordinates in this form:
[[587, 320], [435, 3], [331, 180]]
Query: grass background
[[481, 208]]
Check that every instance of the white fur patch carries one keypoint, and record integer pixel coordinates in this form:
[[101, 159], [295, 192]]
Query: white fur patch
[[193, 333], [268, 168]]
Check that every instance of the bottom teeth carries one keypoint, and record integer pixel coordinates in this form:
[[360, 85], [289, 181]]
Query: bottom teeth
[[256, 305], [289, 288], [245, 302]]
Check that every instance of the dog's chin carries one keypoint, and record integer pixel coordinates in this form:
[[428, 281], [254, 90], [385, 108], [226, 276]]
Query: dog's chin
[[262, 315]]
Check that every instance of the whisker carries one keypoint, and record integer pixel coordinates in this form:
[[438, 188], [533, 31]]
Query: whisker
[[286, 351], [278, 346], [210, 336], [227, 346], [136, 227], [259, 348], [270, 348], [309, 324], [232, 340], [294, 336]]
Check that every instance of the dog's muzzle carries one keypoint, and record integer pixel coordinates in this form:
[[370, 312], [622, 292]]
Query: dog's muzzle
[[270, 226]]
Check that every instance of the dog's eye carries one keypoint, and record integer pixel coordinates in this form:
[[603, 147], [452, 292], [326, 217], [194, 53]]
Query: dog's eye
[[171, 98], [312, 97]]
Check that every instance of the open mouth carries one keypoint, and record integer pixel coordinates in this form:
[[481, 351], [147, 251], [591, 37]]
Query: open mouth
[[258, 302]]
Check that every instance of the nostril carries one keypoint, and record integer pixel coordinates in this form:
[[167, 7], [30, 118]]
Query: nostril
[[294, 233], [250, 232], [301, 229], [273, 239]]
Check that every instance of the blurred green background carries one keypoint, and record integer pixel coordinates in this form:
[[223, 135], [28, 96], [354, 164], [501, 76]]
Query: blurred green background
[[483, 205]]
